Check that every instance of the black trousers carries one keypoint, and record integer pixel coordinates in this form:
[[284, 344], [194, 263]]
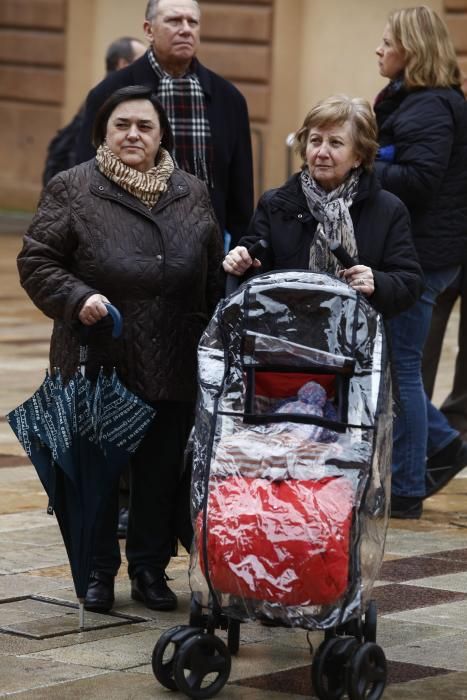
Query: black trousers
[[159, 509]]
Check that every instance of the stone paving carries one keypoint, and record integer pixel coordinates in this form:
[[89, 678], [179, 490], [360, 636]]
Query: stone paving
[[421, 594]]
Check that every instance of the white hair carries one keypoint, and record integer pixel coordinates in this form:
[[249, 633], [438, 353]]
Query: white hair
[[152, 7]]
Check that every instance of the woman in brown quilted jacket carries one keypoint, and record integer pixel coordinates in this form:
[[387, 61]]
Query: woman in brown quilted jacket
[[131, 228]]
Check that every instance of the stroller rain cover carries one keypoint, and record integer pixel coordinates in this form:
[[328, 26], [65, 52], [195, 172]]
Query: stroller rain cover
[[291, 452]]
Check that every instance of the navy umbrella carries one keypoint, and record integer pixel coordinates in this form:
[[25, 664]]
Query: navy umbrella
[[79, 435]]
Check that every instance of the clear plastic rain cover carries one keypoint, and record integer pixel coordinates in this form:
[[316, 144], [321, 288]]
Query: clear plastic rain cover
[[291, 452]]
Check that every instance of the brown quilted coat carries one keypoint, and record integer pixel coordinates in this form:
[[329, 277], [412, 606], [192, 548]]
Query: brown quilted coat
[[160, 268]]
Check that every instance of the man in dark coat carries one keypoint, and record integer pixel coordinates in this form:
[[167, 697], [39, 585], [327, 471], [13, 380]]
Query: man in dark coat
[[208, 115], [61, 152]]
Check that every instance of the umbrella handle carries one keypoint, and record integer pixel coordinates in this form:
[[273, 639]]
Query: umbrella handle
[[84, 332], [116, 318]]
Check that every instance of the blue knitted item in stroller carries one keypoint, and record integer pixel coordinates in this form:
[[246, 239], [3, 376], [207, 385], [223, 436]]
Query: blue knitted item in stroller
[[291, 482]]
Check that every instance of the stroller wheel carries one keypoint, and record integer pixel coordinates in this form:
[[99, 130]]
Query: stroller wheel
[[233, 636], [202, 666], [367, 674], [165, 650], [369, 626], [328, 671]]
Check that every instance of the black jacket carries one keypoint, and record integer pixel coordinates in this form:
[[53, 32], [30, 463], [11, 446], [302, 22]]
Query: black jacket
[[160, 267], [232, 195], [61, 151], [382, 231], [428, 128]]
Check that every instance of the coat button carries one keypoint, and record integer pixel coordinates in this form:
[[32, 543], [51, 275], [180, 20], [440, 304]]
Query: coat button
[[153, 340], [180, 187], [158, 256], [102, 188], [300, 216]]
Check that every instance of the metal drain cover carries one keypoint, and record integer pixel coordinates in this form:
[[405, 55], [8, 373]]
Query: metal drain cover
[[40, 617]]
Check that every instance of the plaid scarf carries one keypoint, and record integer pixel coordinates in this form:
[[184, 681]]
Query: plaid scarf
[[183, 100], [331, 209], [148, 186]]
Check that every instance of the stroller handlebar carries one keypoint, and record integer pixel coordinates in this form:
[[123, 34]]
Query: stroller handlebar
[[257, 247], [342, 255]]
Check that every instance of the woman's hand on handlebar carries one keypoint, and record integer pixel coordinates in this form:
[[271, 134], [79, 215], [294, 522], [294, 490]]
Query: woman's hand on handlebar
[[238, 261], [360, 278]]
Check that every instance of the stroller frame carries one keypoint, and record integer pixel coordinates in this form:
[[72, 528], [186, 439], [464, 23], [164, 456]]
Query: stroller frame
[[191, 658]]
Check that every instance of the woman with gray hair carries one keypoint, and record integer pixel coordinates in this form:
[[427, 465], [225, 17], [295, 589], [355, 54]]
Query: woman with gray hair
[[336, 199]]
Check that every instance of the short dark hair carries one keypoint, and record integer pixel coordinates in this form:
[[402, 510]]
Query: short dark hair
[[131, 92], [120, 48]]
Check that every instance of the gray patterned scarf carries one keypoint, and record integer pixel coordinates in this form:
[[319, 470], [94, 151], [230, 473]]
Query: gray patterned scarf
[[148, 186], [331, 209]]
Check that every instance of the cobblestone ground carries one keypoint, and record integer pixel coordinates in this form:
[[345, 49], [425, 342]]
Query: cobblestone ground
[[421, 594]]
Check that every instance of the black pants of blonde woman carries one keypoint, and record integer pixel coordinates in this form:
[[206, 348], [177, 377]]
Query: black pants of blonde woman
[[159, 498]]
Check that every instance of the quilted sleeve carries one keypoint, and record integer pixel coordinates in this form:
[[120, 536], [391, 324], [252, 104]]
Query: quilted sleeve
[[215, 275], [423, 136], [45, 262]]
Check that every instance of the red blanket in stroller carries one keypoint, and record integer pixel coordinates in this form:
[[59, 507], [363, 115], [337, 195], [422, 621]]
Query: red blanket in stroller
[[285, 541]]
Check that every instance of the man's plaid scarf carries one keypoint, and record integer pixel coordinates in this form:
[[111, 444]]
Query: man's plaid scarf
[[183, 100]]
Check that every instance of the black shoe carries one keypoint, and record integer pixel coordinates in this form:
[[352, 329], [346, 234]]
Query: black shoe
[[100, 594], [151, 589], [444, 465], [122, 523], [406, 507]]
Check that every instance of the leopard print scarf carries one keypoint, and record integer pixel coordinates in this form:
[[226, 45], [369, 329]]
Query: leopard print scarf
[[148, 186]]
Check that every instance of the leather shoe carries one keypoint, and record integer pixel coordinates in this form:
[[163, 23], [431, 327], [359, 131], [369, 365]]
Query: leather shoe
[[406, 507], [100, 593], [444, 465], [150, 587]]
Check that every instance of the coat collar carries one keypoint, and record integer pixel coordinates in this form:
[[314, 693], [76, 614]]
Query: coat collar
[[204, 76], [177, 186], [142, 72]]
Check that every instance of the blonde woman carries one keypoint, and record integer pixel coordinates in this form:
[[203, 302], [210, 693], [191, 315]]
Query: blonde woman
[[422, 123]]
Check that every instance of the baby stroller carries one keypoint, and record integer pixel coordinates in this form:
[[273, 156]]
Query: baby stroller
[[291, 482]]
